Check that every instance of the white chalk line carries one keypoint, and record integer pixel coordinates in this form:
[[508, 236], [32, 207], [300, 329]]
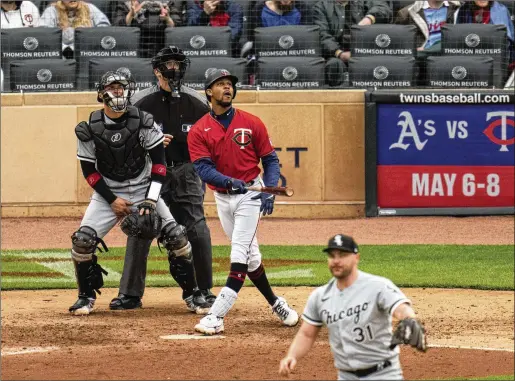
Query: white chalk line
[[14, 351], [472, 348]]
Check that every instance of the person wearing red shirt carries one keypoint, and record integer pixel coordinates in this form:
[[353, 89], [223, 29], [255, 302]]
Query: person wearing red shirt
[[226, 146]]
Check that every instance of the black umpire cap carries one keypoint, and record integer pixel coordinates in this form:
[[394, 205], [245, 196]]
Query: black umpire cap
[[215, 75], [342, 242]]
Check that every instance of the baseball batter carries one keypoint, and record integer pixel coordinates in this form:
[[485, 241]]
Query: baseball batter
[[357, 308], [226, 146], [122, 158]]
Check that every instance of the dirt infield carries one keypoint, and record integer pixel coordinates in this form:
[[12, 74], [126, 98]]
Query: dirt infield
[[127, 345]]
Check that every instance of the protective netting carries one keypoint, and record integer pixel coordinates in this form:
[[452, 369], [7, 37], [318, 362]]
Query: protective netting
[[308, 44]]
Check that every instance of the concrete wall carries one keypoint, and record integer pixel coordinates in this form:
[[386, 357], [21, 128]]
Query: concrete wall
[[320, 135]]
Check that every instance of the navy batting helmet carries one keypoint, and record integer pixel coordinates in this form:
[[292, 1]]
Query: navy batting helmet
[[217, 74]]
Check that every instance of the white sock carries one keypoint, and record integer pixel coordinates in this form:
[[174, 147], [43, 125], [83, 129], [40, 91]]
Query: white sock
[[224, 302]]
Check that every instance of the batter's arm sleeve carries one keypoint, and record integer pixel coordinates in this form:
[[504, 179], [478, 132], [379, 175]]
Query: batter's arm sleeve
[[390, 297], [206, 170], [158, 173], [271, 169], [311, 314], [96, 181]]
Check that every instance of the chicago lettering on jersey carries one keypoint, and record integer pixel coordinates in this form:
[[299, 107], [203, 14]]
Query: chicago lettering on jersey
[[349, 312]]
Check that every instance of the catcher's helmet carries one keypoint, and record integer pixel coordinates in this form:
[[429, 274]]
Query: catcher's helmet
[[116, 103], [342, 242], [217, 74]]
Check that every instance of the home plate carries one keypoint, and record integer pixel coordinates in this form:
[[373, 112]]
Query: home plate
[[191, 337]]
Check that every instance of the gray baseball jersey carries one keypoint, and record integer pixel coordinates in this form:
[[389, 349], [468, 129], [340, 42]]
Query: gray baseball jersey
[[359, 319], [99, 214]]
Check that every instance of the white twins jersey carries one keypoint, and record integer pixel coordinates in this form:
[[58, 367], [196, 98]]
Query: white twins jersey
[[358, 318], [150, 137]]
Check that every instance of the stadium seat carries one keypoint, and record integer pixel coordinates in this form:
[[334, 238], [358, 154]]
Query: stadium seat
[[201, 41], [200, 67], [21, 44], [382, 72], [45, 75], [383, 39], [288, 40], [290, 73], [460, 71], [478, 40], [107, 42], [140, 69]]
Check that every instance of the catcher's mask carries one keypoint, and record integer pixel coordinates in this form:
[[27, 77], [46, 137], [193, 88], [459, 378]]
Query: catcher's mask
[[116, 98], [172, 63]]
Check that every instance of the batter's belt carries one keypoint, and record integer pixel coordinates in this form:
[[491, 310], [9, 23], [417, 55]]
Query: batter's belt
[[367, 371]]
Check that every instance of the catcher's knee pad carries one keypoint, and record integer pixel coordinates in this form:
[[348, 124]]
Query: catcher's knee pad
[[175, 239], [84, 244]]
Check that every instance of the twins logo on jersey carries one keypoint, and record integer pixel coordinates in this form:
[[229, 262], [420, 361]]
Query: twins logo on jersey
[[351, 311], [242, 137]]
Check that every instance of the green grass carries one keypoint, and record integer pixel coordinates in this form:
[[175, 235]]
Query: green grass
[[447, 266], [507, 377]]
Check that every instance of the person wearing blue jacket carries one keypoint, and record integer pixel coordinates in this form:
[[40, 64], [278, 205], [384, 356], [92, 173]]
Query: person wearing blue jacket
[[218, 13]]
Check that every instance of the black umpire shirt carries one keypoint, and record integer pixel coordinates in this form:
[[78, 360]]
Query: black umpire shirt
[[175, 116]]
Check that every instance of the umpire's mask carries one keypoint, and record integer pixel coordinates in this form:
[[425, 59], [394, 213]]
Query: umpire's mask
[[115, 90], [172, 63]]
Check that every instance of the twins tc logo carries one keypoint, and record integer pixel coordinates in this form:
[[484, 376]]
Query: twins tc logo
[[501, 120], [242, 137]]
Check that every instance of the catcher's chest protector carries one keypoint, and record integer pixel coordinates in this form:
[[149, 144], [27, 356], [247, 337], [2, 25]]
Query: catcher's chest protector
[[119, 153]]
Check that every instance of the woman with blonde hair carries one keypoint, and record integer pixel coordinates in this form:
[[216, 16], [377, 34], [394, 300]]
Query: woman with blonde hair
[[70, 14]]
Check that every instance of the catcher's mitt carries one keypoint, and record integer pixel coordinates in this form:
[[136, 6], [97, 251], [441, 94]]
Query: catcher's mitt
[[146, 226], [410, 331]]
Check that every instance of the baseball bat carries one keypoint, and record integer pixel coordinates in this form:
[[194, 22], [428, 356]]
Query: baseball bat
[[278, 191]]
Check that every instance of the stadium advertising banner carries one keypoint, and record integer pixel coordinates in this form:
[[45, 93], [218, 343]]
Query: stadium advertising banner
[[434, 153]]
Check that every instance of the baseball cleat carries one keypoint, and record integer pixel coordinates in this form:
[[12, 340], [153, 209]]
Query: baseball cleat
[[197, 303], [283, 311], [83, 306], [210, 325]]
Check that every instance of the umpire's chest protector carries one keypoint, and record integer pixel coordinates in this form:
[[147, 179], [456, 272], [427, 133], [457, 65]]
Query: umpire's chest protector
[[119, 152]]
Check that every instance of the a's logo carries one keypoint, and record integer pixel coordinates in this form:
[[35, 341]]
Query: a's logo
[[290, 73], [459, 73], [44, 75], [116, 137], [197, 42], [31, 43], [108, 42], [503, 122], [125, 71], [472, 40], [286, 42], [383, 40], [242, 137], [381, 72]]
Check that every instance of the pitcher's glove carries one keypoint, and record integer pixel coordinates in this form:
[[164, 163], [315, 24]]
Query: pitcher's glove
[[144, 224], [410, 331]]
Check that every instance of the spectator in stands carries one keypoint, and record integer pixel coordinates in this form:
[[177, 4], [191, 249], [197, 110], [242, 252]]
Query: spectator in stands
[[70, 14], [335, 17], [152, 17], [18, 14], [428, 16], [489, 12], [218, 13]]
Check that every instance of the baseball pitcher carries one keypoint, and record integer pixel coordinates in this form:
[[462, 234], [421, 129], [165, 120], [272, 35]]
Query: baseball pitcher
[[357, 308], [122, 157]]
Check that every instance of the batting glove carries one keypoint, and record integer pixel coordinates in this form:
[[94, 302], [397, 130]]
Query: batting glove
[[236, 186], [267, 203]]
